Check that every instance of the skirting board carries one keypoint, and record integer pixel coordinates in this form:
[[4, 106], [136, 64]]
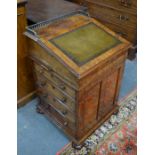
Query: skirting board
[[21, 102]]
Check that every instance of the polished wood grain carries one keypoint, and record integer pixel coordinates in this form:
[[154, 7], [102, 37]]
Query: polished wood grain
[[123, 19], [25, 84], [88, 107], [39, 55], [91, 90], [69, 24]]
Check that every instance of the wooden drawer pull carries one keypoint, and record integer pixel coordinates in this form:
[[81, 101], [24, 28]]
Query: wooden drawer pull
[[41, 71], [65, 123], [53, 87], [123, 18]]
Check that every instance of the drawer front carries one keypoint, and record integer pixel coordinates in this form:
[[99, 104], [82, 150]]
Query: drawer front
[[58, 106], [41, 55], [42, 70], [59, 120], [125, 32], [111, 15], [53, 90], [124, 5]]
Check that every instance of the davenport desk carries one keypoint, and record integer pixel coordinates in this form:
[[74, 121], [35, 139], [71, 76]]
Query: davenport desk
[[78, 67]]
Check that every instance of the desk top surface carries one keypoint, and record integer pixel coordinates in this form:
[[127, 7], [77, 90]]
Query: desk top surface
[[79, 42], [85, 43]]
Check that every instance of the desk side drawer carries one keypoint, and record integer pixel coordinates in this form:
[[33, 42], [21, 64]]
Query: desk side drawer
[[60, 121], [50, 88], [63, 110], [54, 78]]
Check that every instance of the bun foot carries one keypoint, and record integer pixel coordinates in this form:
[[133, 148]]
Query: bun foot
[[132, 53], [116, 112], [77, 146]]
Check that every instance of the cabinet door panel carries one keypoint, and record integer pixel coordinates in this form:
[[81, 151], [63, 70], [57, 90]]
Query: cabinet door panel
[[89, 107], [108, 92]]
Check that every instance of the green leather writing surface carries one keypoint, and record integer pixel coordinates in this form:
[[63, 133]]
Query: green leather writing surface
[[85, 43]]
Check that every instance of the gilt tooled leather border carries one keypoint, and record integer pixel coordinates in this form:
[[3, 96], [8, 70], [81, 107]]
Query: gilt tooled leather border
[[89, 59]]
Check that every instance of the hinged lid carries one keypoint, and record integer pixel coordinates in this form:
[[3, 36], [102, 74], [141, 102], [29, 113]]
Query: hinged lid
[[77, 41]]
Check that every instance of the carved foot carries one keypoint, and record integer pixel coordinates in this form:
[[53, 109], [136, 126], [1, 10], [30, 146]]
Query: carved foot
[[116, 112], [77, 146]]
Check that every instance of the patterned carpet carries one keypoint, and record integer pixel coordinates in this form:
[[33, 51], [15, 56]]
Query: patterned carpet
[[117, 136]]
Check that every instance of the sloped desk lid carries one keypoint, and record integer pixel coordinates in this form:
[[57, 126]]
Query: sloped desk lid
[[85, 43], [79, 42]]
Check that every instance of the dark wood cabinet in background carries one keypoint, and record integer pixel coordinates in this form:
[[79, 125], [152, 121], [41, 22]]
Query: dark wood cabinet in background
[[41, 10], [25, 83], [78, 66], [118, 15]]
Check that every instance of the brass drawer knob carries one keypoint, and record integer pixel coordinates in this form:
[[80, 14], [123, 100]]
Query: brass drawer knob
[[123, 17], [65, 123], [41, 71], [53, 87]]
